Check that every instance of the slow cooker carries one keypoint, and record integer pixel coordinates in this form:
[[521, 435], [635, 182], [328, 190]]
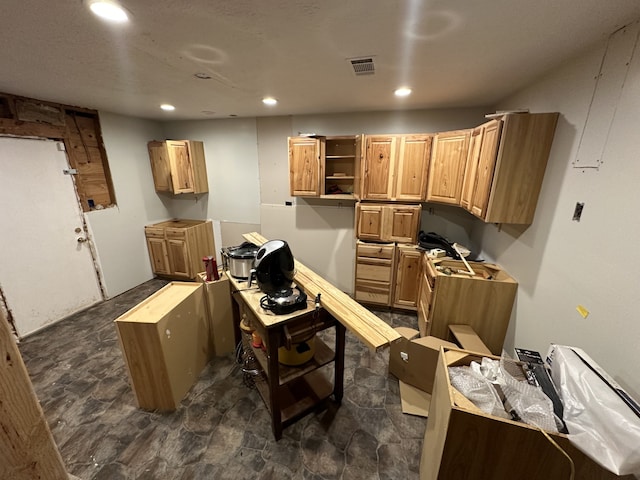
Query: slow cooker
[[238, 261]]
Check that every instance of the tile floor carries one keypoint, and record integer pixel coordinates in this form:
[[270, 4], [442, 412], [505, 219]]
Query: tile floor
[[222, 429]]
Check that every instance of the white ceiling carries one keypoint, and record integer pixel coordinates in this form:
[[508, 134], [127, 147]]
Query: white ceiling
[[452, 53]]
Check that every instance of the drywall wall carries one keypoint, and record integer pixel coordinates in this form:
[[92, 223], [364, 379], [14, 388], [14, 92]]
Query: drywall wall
[[230, 148], [561, 263], [118, 232]]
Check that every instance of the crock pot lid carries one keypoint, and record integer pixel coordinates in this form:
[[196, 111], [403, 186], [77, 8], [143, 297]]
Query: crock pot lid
[[243, 251]]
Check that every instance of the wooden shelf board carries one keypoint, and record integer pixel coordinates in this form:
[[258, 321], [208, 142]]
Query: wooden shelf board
[[322, 356], [338, 157], [339, 177], [339, 196], [303, 395]]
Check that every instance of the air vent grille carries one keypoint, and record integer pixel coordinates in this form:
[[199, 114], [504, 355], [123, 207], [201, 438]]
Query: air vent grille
[[363, 66]]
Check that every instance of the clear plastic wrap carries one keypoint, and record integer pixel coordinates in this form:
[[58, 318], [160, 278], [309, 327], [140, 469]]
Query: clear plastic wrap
[[601, 418]]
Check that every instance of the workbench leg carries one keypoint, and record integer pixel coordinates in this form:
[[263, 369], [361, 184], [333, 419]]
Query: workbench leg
[[274, 383], [338, 386]]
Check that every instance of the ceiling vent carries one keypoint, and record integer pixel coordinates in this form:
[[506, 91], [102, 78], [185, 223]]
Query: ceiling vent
[[363, 65]]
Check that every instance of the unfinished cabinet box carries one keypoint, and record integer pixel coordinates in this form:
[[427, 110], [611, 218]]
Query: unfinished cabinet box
[[176, 247], [507, 161], [461, 441], [483, 301], [382, 222], [165, 343], [217, 295], [178, 166]]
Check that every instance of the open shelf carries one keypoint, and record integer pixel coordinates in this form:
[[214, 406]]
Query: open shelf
[[340, 167], [322, 356]]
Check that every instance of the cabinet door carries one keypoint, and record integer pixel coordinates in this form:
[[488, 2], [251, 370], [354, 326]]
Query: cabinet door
[[181, 168], [486, 166], [369, 221], [412, 168], [407, 277], [158, 255], [178, 257], [472, 166], [401, 223], [305, 173], [446, 170], [378, 167], [160, 166], [198, 165]]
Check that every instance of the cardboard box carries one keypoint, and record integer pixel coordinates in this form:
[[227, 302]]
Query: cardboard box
[[413, 359], [217, 295], [468, 339], [461, 441], [165, 343]]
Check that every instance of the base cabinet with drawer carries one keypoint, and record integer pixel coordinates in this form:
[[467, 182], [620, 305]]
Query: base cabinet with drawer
[[483, 301], [176, 247], [375, 267]]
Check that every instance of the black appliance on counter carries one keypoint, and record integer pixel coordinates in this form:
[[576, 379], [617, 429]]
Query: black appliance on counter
[[274, 268]]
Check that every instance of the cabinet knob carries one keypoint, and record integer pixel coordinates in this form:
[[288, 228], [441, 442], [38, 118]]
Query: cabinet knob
[[381, 156]]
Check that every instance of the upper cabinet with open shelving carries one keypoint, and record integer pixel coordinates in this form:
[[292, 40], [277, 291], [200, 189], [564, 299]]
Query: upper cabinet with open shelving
[[325, 167]]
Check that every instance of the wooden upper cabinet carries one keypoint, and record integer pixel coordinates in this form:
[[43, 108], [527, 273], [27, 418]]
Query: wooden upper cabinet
[[395, 167], [305, 173], [447, 167], [475, 143], [379, 166], [388, 222], [510, 166], [369, 222], [412, 168], [178, 166]]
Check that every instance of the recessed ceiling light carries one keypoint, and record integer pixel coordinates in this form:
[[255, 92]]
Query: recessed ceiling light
[[167, 108], [108, 10], [269, 101], [402, 92]]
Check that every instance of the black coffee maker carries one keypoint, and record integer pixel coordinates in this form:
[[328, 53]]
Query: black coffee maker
[[273, 269]]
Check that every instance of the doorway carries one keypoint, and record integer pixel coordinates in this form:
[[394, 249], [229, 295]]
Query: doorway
[[47, 267]]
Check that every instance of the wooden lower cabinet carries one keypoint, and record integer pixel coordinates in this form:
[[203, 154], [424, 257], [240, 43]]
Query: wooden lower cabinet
[[375, 266], [407, 277], [483, 301], [387, 274], [176, 247]]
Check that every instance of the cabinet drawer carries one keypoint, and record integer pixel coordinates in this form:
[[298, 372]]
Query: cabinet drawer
[[370, 269], [430, 274], [369, 291], [154, 232], [177, 233], [427, 291], [375, 251]]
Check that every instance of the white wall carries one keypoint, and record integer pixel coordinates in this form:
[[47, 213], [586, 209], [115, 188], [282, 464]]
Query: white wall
[[118, 233], [561, 263], [231, 154]]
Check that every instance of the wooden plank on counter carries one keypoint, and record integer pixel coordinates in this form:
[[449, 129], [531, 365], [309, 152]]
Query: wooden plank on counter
[[369, 328]]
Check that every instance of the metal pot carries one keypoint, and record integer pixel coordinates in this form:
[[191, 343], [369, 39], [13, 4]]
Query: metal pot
[[238, 261]]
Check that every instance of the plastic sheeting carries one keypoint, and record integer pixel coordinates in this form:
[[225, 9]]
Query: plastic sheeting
[[601, 422]]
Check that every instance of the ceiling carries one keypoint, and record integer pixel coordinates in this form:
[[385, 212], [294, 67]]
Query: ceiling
[[452, 53]]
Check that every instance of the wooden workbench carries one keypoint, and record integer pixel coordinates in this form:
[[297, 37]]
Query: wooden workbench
[[290, 392]]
